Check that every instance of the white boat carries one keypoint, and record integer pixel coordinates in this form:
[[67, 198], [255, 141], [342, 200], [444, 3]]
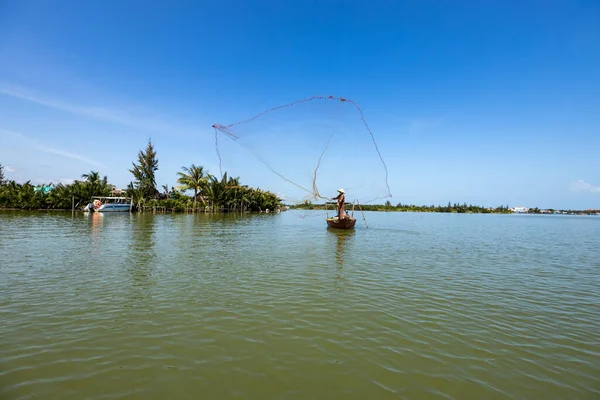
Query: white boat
[[109, 204]]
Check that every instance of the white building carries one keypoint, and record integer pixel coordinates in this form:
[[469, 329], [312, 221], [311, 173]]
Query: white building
[[519, 210]]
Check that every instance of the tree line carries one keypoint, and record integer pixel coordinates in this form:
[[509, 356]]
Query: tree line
[[210, 193], [450, 208]]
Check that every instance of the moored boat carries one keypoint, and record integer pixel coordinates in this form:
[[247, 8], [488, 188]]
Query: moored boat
[[109, 204]]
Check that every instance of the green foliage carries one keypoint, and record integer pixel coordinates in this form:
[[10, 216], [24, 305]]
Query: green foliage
[[143, 172], [450, 208], [192, 178], [92, 186], [213, 194], [228, 194], [225, 194], [25, 196]]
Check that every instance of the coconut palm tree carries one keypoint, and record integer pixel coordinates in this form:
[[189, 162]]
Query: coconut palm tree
[[216, 191], [166, 189], [92, 177], [192, 178], [93, 186], [9, 196]]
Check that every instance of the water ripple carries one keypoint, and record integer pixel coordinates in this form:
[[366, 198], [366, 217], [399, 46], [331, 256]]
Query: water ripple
[[275, 306]]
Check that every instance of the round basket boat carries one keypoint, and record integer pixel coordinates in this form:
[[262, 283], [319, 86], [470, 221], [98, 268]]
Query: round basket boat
[[344, 223]]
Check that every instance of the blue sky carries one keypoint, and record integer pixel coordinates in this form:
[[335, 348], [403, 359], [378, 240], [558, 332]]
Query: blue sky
[[474, 101]]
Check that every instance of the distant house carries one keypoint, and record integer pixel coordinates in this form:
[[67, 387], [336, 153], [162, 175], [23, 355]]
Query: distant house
[[519, 210], [118, 192]]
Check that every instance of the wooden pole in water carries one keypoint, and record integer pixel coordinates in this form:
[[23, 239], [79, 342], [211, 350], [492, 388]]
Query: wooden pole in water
[[72, 203], [363, 214]]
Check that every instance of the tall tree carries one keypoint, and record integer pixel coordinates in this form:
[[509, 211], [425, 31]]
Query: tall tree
[[2, 178], [192, 178], [143, 172], [92, 177], [94, 186]]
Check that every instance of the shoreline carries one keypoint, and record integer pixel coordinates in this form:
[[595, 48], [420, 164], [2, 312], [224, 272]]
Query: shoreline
[[159, 210], [453, 210]]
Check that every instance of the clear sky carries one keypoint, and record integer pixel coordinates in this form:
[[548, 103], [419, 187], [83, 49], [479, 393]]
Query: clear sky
[[481, 102]]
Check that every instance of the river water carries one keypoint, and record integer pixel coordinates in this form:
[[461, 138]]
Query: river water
[[277, 306]]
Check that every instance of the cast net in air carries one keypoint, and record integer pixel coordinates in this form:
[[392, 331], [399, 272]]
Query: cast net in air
[[305, 150]]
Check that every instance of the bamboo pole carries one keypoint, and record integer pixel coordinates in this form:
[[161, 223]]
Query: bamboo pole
[[363, 214]]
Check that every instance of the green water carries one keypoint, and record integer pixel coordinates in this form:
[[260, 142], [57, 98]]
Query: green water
[[417, 306]]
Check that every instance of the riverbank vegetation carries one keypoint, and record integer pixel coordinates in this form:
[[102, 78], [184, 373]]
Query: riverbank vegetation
[[449, 208], [206, 192]]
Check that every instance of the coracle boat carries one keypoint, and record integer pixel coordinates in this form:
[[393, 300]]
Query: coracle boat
[[344, 223], [347, 222]]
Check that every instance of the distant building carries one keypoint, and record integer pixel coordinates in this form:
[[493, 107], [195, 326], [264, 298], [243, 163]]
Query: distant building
[[118, 192], [519, 210]]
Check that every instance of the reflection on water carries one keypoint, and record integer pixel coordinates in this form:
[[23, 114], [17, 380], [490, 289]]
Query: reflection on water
[[343, 239], [132, 238], [96, 220], [417, 306], [142, 256]]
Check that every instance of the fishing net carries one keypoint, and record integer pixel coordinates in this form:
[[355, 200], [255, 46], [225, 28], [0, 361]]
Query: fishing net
[[305, 150]]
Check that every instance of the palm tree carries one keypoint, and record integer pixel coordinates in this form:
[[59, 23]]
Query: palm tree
[[94, 186], [92, 177], [192, 178], [9, 197]]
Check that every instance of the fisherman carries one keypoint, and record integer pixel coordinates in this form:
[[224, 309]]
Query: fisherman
[[340, 203]]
